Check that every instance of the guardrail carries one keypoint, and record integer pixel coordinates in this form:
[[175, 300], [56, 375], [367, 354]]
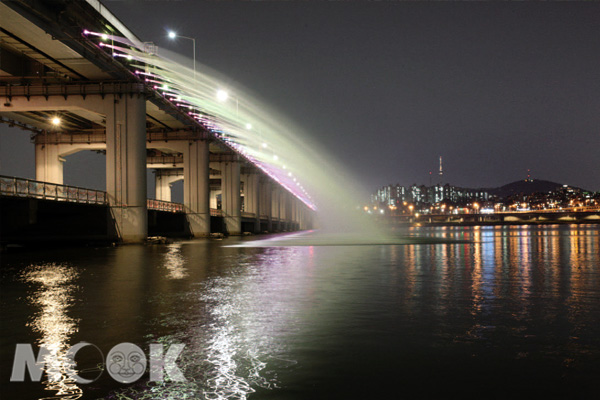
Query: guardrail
[[553, 210], [216, 213], [19, 187], [161, 205]]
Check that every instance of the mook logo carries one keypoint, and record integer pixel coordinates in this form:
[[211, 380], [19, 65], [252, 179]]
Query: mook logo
[[125, 363]]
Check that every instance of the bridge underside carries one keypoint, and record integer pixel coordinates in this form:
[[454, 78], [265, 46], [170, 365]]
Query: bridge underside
[[49, 70]]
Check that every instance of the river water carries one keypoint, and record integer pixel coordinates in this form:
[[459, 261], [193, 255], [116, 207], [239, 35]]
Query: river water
[[479, 312]]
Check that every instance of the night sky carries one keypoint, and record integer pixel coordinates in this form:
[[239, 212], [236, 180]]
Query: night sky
[[388, 87]]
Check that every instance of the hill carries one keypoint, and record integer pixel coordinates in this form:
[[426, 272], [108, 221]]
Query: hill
[[526, 188]]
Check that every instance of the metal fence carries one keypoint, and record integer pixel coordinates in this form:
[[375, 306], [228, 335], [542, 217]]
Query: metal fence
[[216, 212], [161, 205], [19, 187]]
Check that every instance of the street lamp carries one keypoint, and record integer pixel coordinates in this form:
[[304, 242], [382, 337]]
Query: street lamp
[[222, 95], [173, 35]]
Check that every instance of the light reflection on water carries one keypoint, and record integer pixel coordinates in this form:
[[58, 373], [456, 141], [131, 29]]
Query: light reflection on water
[[174, 262], [53, 287], [506, 304], [248, 322]]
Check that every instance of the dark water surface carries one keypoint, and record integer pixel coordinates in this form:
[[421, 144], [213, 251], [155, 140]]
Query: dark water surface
[[514, 312]]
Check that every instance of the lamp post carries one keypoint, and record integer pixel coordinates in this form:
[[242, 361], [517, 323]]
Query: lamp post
[[173, 35]]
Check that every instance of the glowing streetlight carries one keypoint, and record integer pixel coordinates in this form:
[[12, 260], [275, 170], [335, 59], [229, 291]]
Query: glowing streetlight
[[55, 121], [173, 35], [222, 95]]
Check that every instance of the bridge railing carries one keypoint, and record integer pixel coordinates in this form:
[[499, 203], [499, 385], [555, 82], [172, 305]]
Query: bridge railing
[[554, 210], [214, 212], [161, 205], [20, 187]]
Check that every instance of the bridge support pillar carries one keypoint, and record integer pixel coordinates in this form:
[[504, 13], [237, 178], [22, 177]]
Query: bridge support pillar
[[283, 209], [163, 179], [213, 198], [230, 197], [265, 201], [275, 207], [251, 198], [126, 165], [48, 163], [196, 191], [294, 217]]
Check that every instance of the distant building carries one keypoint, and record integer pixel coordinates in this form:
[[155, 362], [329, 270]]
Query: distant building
[[394, 195]]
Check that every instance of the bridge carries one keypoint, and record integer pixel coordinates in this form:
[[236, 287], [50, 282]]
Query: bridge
[[78, 79], [567, 215]]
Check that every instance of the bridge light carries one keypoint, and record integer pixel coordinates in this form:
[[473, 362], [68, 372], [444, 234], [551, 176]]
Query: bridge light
[[104, 36], [275, 157], [264, 145], [55, 121], [222, 95], [172, 35], [248, 126]]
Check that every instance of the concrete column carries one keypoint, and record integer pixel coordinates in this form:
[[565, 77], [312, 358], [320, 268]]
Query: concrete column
[[303, 211], [294, 211], [196, 187], [230, 198], [126, 165], [213, 198], [163, 179], [251, 198], [266, 197], [48, 163], [283, 209], [275, 204]]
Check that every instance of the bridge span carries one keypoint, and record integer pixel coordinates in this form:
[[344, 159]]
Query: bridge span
[[51, 71]]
